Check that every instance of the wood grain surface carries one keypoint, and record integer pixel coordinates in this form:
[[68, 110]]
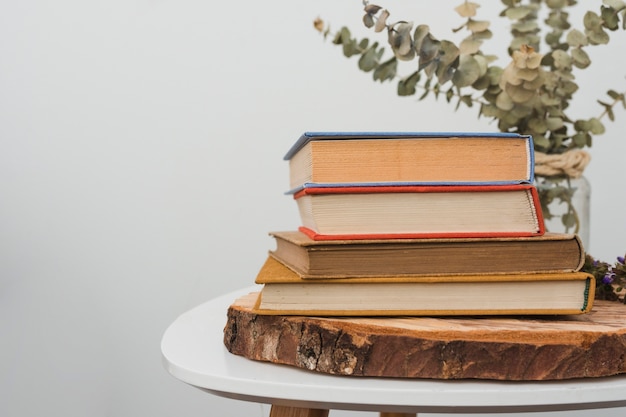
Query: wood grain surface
[[496, 348]]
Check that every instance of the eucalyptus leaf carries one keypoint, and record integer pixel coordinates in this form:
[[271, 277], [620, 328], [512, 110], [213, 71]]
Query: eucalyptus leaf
[[517, 13], [576, 38], [580, 58], [556, 4], [421, 31], [469, 46], [598, 37], [596, 127], [406, 86], [429, 50], [616, 4], [610, 20], [387, 70], [467, 9], [592, 21], [467, 72], [478, 25], [370, 58], [561, 59]]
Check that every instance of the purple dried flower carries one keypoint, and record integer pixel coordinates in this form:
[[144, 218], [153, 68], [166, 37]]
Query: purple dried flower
[[620, 259], [608, 278]]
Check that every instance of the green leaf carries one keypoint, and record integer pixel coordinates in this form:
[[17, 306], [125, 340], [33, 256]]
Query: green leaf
[[569, 220], [370, 58], [421, 31], [609, 18], [469, 46], [616, 4], [561, 59], [449, 94], [615, 95], [580, 59], [595, 126], [592, 21], [387, 70], [580, 139], [429, 50], [467, 73], [599, 37], [406, 86], [576, 38]]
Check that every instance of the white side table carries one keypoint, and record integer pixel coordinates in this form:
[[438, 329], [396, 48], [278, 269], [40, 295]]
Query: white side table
[[193, 352]]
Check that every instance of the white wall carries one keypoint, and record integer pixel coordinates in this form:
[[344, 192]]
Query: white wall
[[141, 169]]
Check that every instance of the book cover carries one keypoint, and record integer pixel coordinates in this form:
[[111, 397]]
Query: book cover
[[409, 158], [420, 211], [314, 259], [285, 293]]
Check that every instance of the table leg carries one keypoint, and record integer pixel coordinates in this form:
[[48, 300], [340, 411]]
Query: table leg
[[398, 415], [282, 411]]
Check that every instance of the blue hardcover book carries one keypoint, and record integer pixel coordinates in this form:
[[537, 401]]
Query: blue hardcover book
[[336, 159]]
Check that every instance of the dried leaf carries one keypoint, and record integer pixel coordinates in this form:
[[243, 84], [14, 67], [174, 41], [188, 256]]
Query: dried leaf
[[381, 23], [399, 37], [519, 94], [595, 126], [467, 72], [467, 9], [592, 21], [371, 9], [429, 50], [469, 46], [477, 25], [599, 37], [576, 38], [318, 24], [609, 18], [370, 58], [504, 102], [517, 13], [616, 4], [580, 58], [561, 59], [418, 36], [386, 71], [406, 87]]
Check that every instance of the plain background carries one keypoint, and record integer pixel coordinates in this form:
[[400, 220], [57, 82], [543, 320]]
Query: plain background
[[141, 169]]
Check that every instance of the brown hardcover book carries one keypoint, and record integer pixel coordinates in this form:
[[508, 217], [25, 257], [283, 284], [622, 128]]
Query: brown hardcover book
[[332, 158], [552, 252], [285, 293]]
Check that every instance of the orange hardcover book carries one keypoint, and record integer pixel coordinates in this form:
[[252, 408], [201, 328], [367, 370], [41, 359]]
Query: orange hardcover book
[[376, 212], [355, 158]]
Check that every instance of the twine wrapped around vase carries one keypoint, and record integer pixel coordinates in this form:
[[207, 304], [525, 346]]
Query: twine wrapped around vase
[[571, 163]]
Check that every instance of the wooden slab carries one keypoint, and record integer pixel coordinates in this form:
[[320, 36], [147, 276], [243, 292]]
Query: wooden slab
[[504, 348]]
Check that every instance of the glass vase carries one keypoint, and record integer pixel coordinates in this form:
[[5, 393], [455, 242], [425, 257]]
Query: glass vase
[[565, 203]]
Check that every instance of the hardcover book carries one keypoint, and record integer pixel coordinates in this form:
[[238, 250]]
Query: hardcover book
[[419, 211], [409, 158], [313, 259], [285, 293]]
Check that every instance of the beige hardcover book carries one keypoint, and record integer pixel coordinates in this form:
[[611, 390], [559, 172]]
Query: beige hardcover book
[[284, 292]]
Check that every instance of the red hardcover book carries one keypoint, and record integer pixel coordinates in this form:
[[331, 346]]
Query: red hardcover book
[[387, 212]]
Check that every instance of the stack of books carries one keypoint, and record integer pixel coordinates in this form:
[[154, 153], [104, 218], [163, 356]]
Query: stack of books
[[406, 223]]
